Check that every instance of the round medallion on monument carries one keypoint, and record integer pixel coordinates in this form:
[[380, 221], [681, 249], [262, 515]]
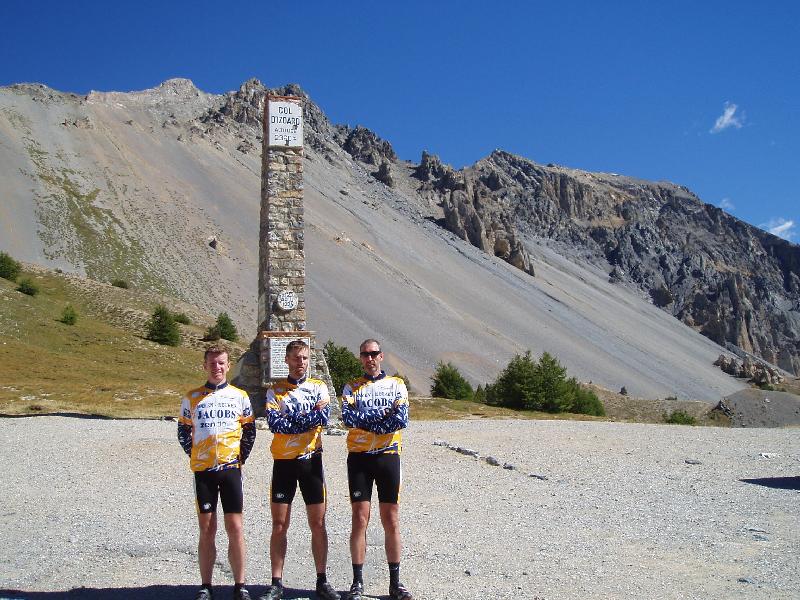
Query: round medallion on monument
[[286, 300]]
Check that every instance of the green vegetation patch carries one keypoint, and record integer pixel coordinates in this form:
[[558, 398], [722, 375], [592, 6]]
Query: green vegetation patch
[[92, 367], [448, 382], [343, 365], [9, 268], [76, 228]]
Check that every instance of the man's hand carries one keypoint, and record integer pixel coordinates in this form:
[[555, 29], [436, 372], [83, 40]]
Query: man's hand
[[322, 403]]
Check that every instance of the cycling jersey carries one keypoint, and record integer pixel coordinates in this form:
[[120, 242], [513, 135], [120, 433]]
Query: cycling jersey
[[293, 418], [375, 410], [216, 427]]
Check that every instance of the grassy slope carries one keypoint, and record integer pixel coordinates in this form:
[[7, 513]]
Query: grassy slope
[[101, 365]]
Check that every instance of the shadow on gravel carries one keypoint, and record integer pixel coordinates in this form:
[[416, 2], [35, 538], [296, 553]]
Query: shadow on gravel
[[151, 592], [56, 414], [781, 483]]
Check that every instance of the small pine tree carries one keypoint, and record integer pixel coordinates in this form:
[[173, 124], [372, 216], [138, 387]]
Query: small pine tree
[[517, 386], [120, 283], [553, 393], [26, 286], [182, 318], [162, 328], [479, 395], [448, 382], [69, 316], [9, 268], [343, 365], [223, 328]]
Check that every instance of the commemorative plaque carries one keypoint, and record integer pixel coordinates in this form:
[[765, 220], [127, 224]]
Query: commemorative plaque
[[285, 121]]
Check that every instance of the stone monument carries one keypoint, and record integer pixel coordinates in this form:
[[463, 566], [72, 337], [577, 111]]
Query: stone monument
[[281, 264]]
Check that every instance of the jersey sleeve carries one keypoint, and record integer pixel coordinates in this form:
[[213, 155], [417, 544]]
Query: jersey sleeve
[[185, 426], [325, 413], [290, 423], [248, 428], [397, 417], [351, 416]]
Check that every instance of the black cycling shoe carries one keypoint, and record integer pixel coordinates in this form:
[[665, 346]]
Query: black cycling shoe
[[241, 594], [203, 594], [400, 592], [325, 591], [273, 592], [356, 591]]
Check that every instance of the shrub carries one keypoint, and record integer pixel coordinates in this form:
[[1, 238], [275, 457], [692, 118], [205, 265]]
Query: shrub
[[222, 329], [69, 316], [162, 328], [448, 382], [343, 365], [26, 286], [526, 384], [403, 377], [182, 318], [586, 402], [479, 395], [516, 387], [554, 393], [120, 283], [679, 417], [9, 268]]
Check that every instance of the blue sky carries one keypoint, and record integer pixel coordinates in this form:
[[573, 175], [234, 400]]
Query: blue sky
[[704, 94]]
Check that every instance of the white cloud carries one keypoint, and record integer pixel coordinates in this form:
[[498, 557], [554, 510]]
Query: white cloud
[[726, 204], [781, 227], [728, 119]]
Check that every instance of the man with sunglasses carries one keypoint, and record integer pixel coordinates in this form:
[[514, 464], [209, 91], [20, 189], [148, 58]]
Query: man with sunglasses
[[375, 408]]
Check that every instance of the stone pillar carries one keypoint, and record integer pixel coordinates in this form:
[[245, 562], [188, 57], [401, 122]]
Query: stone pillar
[[281, 264]]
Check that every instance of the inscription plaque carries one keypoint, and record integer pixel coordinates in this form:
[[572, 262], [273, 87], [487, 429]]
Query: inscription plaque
[[285, 121], [277, 355]]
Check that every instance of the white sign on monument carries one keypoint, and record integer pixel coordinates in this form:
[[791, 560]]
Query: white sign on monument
[[277, 355], [285, 122]]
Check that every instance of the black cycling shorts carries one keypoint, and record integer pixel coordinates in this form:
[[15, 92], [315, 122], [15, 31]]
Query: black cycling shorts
[[307, 472], [225, 484], [382, 469]]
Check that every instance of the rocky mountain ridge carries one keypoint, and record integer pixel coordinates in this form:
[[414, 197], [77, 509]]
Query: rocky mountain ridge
[[155, 175], [736, 284]]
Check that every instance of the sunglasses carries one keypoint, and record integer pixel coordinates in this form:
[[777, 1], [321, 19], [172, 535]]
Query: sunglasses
[[371, 354]]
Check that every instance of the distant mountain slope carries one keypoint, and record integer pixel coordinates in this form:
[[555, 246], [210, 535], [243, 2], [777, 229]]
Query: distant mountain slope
[[135, 185], [735, 283]]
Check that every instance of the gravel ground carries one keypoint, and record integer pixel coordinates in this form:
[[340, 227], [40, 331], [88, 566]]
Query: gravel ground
[[99, 508]]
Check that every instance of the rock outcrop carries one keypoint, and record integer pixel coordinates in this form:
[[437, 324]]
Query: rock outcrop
[[756, 371], [733, 282]]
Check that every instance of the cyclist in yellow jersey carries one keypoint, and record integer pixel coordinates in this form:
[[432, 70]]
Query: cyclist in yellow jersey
[[375, 408], [297, 410], [216, 428]]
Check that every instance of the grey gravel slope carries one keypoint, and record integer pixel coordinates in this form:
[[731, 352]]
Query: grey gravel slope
[[108, 505]]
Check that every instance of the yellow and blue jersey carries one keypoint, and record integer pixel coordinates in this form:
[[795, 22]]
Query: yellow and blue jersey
[[216, 427], [293, 418], [375, 410]]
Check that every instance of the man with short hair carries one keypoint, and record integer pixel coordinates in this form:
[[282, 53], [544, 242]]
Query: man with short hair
[[375, 408], [216, 428], [297, 410]]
